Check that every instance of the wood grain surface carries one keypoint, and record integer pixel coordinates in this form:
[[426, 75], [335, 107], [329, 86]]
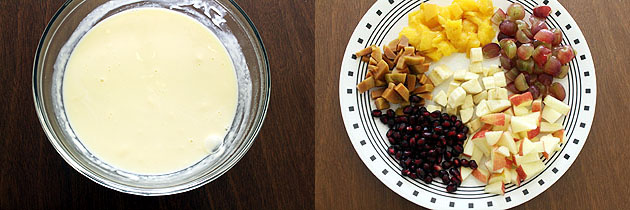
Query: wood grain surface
[[597, 179], [276, 173]]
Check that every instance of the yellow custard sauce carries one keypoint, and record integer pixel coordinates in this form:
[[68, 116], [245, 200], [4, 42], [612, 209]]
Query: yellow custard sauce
[[150, 91]]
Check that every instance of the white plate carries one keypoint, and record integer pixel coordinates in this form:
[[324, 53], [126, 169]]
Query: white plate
[[380, 25]]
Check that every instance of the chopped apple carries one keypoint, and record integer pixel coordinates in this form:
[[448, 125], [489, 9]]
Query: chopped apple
[[498, 105], [481, 174], [451, 110], [492, 93], [471, 76], [520, 110], [473, 125], [559, 134], [537, 105], [495, 178], [482, 108], [515, 179], [479, 139], [499, 79], [469, 148], [493, 69], [492, 137], [522, 123], [440, 98], [502, 150], [476, 54], [475, 67], [538, 147], [472, 86], [526, 147], [495, 188], [559, 106], [528, 170], [522, 159], [508, 141], [488, 83], [466, 114], [546, 127], [457, 97], [432, 108], [465, 172], [533, 133], [493, 119], [507, 176], [551, 115], [549, 144], [468, 102], [524, 99], [509, 112], [460, 75]]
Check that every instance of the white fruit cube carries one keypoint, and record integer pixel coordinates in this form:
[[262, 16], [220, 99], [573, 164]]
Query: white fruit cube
[[452, 86], [522, 123], [492, 93], [443, 72], [465, 172], [466, 114], [493, 69], [457, 97], [460, 75], [469, 148], [551, 115], [468, 102], [476, 54], [520, 110], [498, 105], [526, 147], [485, 71], [499, 79], [435, 78], [503, 151], [546, 127], [482, 108], [472, 86], [471, 76], [480, 96], [522, 159], [549, 144], [481, 174], [475, 67], [554, 103], [432, 108], [528, 170], [451, 110], [440, 98], [538, 147], [488, 82], [501, 93], [473, 125], [508, 141]]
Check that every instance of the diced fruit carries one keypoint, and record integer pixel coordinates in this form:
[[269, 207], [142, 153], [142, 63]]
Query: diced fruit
[[435, 78], [524, 123], [483, 95], [468, 102], [452, 86], [481, 174], [499, 79], [475, 67], [465, 172], [541, 54], [469, 149], [559, 134], [457, 97], [545, 36], [495, 188], [479, 139], [507, 141], [471, 76], [537, 105], [482, 108], [459, 75], [552, 66], [441, 98], [546, 127], [498, 16], [488, 82], [432, 108], [522, 159], [549, 144], [520, 83], [476, 54], [516, 11], [472, 86], [402, 91], [473, 125], [491, 50], [526, 147], [508, 27], [529, 169], [525, 51], [497, 105], [494, 119], [466, 114], [565, 54], [554, 103], [551, 115], [366, 85], [492, 137], [381, 104], [524, 99], [443, 72]]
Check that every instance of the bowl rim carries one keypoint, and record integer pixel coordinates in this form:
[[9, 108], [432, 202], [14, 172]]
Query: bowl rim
[[265, 84]]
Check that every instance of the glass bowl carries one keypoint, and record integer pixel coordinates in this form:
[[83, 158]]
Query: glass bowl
[[223, 17]]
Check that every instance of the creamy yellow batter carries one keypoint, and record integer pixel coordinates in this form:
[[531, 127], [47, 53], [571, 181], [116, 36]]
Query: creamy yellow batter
[[150, 91]]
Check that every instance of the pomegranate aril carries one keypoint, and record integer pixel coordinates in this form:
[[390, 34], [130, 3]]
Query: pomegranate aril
[[455, 181], [445, 179], [391, 113], [451, 187], [376, 113], [456, 162], [465, 162], [473, 164], [428, 179]]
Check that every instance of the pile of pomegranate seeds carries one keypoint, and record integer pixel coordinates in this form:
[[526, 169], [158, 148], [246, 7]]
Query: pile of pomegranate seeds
[[427, 145]]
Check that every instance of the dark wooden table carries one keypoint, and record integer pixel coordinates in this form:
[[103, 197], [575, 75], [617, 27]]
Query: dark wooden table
[[277, 172], [597, 179]]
